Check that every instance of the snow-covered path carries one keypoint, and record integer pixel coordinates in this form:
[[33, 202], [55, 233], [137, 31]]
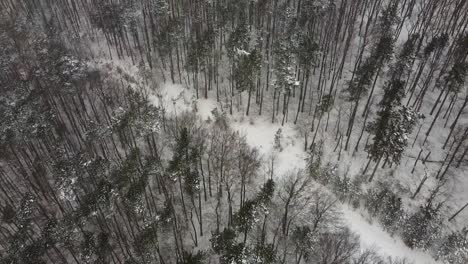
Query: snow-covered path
[[373, 236], [260, 133]]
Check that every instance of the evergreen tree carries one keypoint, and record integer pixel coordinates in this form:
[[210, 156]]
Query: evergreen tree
[[394, 121], [380, 53]]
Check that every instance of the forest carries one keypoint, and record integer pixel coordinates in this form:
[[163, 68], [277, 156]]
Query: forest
[[234, 131]]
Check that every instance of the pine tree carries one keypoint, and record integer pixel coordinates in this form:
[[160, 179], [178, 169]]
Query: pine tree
[[394, 122], [380, 53], [246, 69]]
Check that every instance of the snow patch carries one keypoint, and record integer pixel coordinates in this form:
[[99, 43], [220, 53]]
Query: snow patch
[[373, 236], [175, 99], [261, 133]]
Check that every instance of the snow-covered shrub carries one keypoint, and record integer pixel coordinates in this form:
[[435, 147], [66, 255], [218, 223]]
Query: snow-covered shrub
[[372, 200], [277, 142], [324, 175], [454, 248], [392, 212], [355, 192], [340, 186], [391, 133], [422, 228], [381, 202], [314, 162], [222, 241]]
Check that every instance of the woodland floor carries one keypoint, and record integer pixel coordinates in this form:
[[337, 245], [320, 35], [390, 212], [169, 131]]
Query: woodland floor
[[260, 131]]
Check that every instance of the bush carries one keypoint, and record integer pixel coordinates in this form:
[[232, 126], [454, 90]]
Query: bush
[[391, 212], [421, 229], [340, 186], [454, 248], [355, 193]]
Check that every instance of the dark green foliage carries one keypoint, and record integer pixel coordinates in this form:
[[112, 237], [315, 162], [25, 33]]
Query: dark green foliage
[[341, 186], [265, 254], [394, 122], [364, 75], [381, 52], [278, 139], [307, 50], [103, 248], [49, 233], [437, 42], [194, 258], [384, 204], [184, 162], [94, 199], [192, 183], [184, 154], [222, 241], [238, 40], [109, 16], [246, 216], [394, 93], [266, 193], [422, 228], [139, 183], [197, 57], [461, 50], [169, 34], [246, 69], [388, 18], [26, 210], [326, 104], [314, 161], [251, 209], [236, 254], [147, 240], [312, 10], [302, 237], [456, 77], [8, 214], [136, 189], [355, 190], [159, 8], [454, 248], [225, 244], [131, 261], [404, 58], [88, 247], [391, 131], [32, 254], [129, 169], [393, 212], [284, 71]]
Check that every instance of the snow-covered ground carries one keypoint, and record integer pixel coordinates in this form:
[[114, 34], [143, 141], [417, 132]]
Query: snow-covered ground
[[260, 133], [373, 236]]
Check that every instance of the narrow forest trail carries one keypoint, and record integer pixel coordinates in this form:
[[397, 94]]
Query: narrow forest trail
[[260, 133]]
